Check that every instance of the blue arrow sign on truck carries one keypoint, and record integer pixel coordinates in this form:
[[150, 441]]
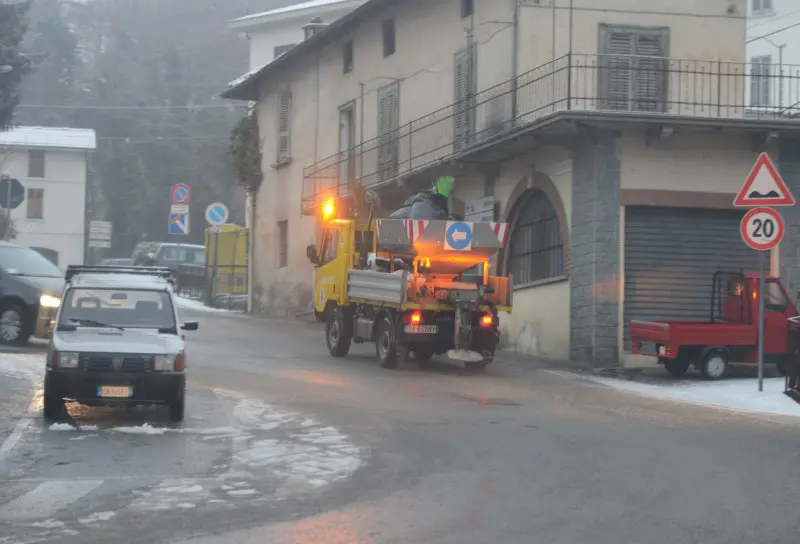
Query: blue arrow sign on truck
[[458, 236]]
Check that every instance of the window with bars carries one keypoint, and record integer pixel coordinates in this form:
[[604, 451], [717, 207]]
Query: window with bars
[[762, 6], [536, 249], [35, 206], [388, 125], [760, 81], [283, 244], [284, 124], [465, 88], [633, 68]]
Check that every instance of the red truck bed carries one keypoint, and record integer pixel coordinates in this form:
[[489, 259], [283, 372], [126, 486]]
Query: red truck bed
[[672, 335]]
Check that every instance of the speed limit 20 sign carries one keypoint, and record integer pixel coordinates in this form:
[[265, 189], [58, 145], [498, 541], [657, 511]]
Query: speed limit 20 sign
[[762, 228]]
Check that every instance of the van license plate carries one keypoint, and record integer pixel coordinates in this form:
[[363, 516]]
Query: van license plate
[[421, 329], [662, 350], [114, 392]]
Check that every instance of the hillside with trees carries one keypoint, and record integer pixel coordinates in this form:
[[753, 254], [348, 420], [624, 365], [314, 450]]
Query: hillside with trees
[[146, 75]]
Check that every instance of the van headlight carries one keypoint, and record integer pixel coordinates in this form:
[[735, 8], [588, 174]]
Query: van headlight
[[164, 363], [49, 301], [67, 359]]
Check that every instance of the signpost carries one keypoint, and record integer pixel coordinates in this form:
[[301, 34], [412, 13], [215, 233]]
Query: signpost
[[178, 223], [762, 228], [12, 194], [100, 234]]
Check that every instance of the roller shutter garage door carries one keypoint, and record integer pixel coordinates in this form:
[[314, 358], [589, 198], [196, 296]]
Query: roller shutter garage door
[[670, 257]]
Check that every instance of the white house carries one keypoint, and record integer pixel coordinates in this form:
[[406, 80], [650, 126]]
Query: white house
[[612, 135], [53, 166], [272, 33], [773, 48]]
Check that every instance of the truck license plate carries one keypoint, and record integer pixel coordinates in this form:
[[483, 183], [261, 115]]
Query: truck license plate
[[662, 350], [422, 329], [114, 391]]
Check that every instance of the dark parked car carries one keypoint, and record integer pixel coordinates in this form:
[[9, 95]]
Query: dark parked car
[[30, 293]]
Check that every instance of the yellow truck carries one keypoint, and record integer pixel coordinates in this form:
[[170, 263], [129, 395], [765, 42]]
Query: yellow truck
[[413, 287]]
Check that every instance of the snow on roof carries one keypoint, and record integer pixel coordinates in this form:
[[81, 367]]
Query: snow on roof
[[264, 16], [58, 137]]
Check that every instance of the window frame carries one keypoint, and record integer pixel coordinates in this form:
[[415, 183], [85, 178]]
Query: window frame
[[633, 64], [283, 244], [389, 36], [761, 81], [34, 172], [284, 126], [348, 57], [554, 251], [29, 201], [762, 9]]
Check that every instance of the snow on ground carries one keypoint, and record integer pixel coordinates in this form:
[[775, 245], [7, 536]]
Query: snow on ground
[[730, 394], [191, 304], [24, 366]]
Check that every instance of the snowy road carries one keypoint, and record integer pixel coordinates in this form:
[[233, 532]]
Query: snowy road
[[283, 444]]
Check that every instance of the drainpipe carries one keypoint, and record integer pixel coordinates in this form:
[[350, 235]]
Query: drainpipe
[[514, 60]]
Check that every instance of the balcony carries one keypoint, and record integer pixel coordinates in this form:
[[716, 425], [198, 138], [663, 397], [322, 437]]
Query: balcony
[[625, 88]]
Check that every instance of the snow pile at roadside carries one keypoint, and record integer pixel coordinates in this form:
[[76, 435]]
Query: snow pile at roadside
[[191, 304], [24, 366], [731, 394]]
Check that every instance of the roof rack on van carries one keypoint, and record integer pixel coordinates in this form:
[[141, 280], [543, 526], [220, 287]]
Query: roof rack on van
[[157, 271]]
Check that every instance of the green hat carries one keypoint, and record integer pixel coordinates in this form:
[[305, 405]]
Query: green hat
[[444, 185]]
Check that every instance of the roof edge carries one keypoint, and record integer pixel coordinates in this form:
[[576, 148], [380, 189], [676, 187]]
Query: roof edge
[[244, 87], [281, 15]]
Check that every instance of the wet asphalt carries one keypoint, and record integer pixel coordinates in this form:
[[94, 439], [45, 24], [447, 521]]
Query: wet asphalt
[[283, 444]]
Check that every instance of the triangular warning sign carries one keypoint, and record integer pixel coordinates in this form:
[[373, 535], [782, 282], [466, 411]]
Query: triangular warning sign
[[764, 187]]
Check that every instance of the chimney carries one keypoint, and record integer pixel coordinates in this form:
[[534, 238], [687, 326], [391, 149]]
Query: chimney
[[313, 27]]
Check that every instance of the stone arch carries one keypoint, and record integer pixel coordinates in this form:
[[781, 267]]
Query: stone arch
[[520, 195]]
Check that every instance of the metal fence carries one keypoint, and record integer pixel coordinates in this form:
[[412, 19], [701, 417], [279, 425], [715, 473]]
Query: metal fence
[[614, 84], [222, 281]]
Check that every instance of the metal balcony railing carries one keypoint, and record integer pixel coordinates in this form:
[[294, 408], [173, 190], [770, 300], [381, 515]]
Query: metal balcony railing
[[616, 84]]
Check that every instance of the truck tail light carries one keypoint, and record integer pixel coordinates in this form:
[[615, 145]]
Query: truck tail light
[[487, 320], [415, 318]]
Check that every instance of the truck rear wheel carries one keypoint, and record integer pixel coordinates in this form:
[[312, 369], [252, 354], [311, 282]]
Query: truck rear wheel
[[338, 333], [715, 365], [386, 346]]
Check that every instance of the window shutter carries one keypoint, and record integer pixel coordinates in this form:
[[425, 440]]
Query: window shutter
[[388, 123], [649, 73], [464, 98], [618, 70], [284, 123]]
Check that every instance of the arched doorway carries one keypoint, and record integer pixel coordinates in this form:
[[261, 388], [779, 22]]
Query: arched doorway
[[536, 251]]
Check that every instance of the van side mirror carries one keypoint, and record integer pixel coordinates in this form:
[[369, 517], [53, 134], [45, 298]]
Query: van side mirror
[[312, 254]]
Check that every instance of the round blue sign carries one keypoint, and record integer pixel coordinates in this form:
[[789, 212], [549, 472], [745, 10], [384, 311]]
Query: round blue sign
[[458, 236], [217, 214]]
